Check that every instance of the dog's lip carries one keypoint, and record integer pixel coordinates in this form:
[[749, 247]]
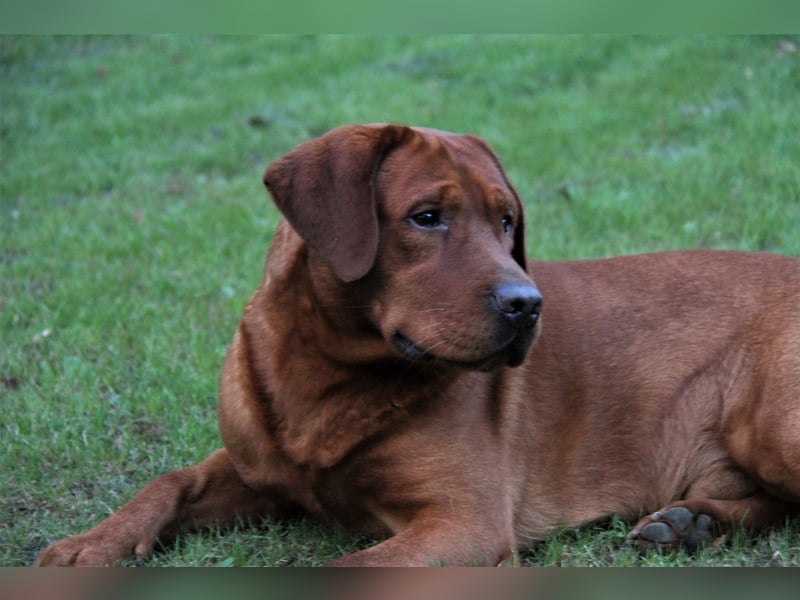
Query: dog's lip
[[410, 350]]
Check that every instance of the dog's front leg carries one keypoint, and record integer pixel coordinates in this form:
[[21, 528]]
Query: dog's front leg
[[436, 542], [210, 492]]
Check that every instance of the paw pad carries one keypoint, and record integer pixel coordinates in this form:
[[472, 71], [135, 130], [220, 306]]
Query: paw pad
[[673, 527]]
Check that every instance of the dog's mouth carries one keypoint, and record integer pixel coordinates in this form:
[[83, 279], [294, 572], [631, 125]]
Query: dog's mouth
[[408, 348], [511, 353]]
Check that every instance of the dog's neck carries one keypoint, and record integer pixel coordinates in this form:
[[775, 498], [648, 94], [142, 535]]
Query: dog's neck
[[325, 381]]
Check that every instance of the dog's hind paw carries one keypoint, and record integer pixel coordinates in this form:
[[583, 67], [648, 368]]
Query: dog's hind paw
[[673, 527]]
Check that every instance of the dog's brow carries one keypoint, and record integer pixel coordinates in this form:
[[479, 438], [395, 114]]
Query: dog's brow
[[500, 199], [436, 193]]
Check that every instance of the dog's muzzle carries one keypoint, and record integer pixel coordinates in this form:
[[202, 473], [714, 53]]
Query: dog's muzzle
[[517, 306]]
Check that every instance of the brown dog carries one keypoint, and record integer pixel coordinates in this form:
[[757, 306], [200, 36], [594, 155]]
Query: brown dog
[[371, 381]]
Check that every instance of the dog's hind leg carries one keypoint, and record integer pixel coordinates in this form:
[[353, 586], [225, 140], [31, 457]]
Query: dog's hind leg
[[758, 483], [208, 493]]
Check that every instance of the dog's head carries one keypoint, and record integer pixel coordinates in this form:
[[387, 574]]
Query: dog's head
[[425, 229]]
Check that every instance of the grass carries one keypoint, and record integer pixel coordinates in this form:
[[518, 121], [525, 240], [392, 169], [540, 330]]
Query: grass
[[134, 226]]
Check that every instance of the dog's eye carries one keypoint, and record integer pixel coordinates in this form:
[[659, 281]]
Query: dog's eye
[[427, 219], [508, 224]]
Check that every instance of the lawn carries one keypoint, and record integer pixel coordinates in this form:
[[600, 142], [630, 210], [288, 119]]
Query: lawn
[[134, 224]]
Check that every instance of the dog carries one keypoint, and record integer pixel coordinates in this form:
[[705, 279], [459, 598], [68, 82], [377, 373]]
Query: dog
[[404, 370]]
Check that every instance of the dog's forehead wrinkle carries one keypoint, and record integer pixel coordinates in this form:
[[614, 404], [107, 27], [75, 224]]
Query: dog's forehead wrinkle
[[447, 152], [446, 192]]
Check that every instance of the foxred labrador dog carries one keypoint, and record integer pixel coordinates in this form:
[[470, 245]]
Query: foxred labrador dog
[[403, 370]]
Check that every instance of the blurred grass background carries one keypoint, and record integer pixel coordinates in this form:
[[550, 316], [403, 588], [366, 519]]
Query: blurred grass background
[[134, 226]]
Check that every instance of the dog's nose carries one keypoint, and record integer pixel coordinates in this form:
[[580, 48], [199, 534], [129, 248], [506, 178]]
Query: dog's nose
[[519, 302]]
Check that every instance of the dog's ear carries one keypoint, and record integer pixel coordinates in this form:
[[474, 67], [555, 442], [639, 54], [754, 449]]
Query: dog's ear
[[518, 252], [325, 190]]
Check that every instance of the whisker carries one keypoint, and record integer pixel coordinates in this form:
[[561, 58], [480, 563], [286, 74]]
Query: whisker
[[436, 345], [438, 327]]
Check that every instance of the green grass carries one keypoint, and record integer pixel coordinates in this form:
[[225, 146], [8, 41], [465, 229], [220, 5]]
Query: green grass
[[134, 226]]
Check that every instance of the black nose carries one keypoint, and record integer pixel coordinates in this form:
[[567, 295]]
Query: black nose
[[519, 302]]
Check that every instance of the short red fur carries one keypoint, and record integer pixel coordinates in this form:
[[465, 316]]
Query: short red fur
[[373, 381]]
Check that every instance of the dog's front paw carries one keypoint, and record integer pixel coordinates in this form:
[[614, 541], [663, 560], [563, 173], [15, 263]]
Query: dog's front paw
[[89, 550], [673, 527]]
